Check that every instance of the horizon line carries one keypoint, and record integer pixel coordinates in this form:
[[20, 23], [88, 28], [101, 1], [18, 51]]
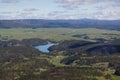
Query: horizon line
[[60, 19]]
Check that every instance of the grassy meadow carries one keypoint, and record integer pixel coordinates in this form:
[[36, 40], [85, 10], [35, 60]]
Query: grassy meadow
[[57, 34]]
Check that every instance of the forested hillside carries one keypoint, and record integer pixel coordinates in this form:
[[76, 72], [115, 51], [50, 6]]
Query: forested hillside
[[80, 23]]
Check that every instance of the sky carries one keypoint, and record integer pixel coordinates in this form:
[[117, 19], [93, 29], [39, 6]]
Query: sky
[[60, 9]]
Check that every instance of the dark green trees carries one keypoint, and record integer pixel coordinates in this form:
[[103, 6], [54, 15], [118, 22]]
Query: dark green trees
[[117, 72]]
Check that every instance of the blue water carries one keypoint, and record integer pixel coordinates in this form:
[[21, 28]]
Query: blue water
[[44, 48]]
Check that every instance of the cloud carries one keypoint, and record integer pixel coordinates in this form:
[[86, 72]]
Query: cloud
[[7, 17], [9, 1], [68, 4], [102, 15], [54, 13], [71, 9], [31, 9], [5, 12], [109, 15], [107, 5], [85, 1]]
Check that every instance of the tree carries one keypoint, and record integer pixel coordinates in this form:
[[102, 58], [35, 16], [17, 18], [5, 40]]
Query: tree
[[117, 72], [108, 77]]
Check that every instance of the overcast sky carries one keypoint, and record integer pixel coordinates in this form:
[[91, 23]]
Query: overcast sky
[[60, 9]]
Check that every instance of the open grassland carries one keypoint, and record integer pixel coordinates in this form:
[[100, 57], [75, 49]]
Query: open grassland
[[111, 72], [57, 34]]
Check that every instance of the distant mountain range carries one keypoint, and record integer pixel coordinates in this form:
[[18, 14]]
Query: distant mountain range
[[79, 23]]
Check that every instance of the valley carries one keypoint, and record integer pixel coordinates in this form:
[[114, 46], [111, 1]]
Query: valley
[[82, 54]]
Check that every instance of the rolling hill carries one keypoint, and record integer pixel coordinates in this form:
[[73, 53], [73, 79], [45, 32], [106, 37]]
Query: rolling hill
[[80, 23]]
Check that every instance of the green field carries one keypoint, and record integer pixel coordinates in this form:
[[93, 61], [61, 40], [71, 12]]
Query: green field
[[57, 34]]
